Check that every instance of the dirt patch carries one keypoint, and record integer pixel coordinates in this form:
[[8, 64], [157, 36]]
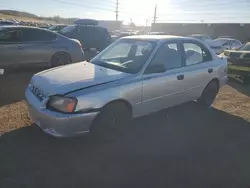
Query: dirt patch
[[233, 101]]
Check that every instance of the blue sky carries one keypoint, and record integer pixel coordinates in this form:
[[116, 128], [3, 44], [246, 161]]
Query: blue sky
[[139, 10]]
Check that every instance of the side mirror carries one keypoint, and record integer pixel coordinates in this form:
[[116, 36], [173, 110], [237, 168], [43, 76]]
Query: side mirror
[[156, 68]]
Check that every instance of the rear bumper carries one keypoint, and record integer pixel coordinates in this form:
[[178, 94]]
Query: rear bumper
[[58, 124], [77, 56]]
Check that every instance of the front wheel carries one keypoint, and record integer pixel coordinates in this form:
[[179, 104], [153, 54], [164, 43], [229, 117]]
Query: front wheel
[[209, 94], [113, 121]]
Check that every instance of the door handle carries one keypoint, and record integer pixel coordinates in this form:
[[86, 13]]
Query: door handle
[[180, 77], [210, 70]]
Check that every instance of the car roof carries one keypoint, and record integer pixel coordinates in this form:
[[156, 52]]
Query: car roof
[[2, 28], [223, 38], [155, 37], [198, 35], [17, 26]]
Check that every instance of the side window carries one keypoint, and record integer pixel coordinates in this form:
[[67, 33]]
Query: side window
[[47, 36], [239, 43], [194, 54], [234, 43], [11, 36], [168, 56], [33, 35], [140, 50], [227, 43]]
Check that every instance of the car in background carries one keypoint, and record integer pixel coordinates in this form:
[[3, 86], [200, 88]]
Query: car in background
[[239, 56], [5, 22], [204, 38], [221, 44], [133, 77], [88, 33], [57, 28], [22, 45]]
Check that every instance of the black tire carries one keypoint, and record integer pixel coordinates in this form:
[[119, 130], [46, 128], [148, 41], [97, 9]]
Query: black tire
[[209, 94], [59, 59], [113, 121]]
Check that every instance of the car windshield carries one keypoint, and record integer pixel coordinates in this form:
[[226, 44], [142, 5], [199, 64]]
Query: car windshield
[[67, 29], [245, 47], [126, 55]]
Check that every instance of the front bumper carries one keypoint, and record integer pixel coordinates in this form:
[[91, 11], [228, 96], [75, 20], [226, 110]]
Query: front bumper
[[58, 124]]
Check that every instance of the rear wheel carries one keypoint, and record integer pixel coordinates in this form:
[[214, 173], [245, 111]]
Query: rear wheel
[[112, 122], [59, 59], [209, 94]]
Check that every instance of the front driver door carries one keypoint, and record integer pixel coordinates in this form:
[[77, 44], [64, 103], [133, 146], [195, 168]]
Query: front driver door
[[163, 89]]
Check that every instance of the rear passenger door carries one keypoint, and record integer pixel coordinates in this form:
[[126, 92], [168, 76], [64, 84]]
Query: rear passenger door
[[162, 89], [199, 68]]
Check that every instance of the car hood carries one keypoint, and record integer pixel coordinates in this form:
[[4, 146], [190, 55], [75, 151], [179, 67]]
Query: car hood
[[64, 79]]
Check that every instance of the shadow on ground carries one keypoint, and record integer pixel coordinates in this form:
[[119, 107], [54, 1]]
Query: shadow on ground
[[13, 84], [245, 89], [186, 146]]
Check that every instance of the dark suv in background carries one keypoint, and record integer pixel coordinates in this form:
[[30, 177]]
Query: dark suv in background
[[88, 33]]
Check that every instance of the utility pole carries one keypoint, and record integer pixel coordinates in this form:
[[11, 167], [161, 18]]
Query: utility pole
[[116, 10], [155, 12]]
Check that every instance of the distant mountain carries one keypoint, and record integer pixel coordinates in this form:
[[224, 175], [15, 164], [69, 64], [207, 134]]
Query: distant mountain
[[18, 13], [55, 19]]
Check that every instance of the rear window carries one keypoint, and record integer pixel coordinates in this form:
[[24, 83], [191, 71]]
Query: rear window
[[68, 29]]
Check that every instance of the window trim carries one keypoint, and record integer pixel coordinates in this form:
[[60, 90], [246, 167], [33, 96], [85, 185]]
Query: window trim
[[179, 47], [202, 48]]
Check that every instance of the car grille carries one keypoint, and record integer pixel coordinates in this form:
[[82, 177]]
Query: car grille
[[37, 93]]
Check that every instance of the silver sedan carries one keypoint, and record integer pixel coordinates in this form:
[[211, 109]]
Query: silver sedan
[[21, 45], [133, 77]]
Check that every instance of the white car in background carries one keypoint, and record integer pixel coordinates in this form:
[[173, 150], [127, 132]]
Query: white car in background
[[221, 44], [204, 38]]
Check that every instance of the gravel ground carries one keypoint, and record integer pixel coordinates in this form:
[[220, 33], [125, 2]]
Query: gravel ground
[[181, 147]]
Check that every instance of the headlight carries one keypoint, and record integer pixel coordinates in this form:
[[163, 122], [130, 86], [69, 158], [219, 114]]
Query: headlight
[[62, 104]]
